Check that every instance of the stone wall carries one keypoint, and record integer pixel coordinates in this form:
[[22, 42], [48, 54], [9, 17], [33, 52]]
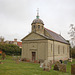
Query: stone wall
[[40, 47], [64, 50]]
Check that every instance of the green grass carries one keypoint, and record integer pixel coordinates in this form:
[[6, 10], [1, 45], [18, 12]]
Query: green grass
[[11, 68]]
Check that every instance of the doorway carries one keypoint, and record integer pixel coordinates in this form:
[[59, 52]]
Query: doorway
[[33, 56]]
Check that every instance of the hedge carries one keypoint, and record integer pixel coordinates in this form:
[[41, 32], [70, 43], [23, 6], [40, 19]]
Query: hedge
[[10, 49]]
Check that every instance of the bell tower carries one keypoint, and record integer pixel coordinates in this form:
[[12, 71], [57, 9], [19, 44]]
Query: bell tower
[[38, 25]]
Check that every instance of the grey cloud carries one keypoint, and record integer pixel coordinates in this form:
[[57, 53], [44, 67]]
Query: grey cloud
[[16, 15]]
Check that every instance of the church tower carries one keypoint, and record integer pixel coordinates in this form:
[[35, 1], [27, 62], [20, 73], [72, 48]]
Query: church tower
[[38, 25]]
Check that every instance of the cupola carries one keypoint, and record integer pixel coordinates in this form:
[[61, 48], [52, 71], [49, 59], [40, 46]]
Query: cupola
[[38, 25]]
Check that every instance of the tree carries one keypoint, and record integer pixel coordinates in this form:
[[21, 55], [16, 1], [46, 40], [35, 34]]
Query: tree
[[72, 35], [1, 39]]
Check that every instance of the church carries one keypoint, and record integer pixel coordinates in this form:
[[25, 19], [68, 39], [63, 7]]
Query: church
[[44, 44]]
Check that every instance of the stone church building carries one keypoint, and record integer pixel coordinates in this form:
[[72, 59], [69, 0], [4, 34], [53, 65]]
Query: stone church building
[[44, 44]]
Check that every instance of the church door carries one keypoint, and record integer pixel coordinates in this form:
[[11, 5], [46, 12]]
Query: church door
[[33, 56]]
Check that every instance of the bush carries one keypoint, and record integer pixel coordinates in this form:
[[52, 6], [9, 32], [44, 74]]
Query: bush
[[73, 52], [3, 55], [10, 49]]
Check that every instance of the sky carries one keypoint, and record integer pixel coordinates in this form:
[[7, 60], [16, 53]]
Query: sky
[[16, 16]]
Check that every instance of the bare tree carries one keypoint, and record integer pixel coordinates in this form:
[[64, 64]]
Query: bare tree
[[72, 35]]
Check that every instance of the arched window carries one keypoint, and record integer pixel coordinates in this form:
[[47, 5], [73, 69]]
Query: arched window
[[63, 49], [67, 49], [34, 26], [38, 26], [51, 47], [58, 49]]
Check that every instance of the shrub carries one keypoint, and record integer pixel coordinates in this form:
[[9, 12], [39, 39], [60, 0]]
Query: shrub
[[10, 49], [3, 55]]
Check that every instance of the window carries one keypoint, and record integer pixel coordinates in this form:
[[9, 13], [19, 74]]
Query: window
[[38, 26], [63, 49], [34, 26], [51, 47], [67, 49], [58, 49]]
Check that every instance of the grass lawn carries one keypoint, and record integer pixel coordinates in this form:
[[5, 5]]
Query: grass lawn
[[9, 67]]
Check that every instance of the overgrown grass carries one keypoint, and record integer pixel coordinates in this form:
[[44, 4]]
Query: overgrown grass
[[11, 68]]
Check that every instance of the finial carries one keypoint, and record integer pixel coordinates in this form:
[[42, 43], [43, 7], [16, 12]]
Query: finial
[[37, 13]]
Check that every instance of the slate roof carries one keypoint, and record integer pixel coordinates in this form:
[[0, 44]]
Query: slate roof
[[56, 36]]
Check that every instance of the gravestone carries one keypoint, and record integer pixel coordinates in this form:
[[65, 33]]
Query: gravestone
[[56, 67], [41, 65], [46, 66], [58, 63], [49, 65], [65, 62], [62, 67], [73, 69]]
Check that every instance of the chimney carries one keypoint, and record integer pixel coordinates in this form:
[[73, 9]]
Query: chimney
[[15, 40]]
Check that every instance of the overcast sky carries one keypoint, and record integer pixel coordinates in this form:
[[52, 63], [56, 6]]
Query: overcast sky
[[16, 16]]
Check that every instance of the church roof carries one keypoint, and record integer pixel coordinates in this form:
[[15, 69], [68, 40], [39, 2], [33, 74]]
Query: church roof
[[56, 36], [37, 20], [46, 37]]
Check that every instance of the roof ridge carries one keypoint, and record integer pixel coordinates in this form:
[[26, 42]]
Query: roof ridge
[[52, 31], [56, 36]]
